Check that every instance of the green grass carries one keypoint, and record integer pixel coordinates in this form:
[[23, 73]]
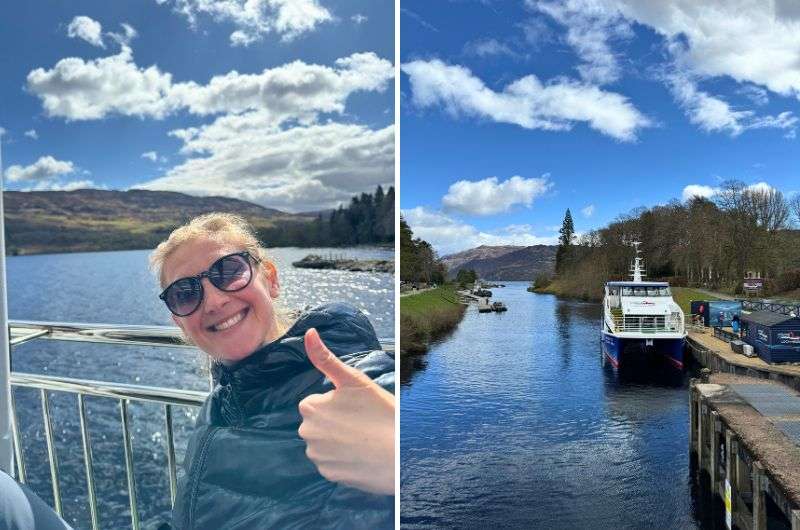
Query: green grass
[[427, 316], [684, 295]]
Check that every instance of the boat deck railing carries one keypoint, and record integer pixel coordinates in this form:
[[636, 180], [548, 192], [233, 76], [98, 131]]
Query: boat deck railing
[[644, 324], [21, 332]]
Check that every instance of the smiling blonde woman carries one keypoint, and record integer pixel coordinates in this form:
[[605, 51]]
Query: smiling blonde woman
[[298, 431]]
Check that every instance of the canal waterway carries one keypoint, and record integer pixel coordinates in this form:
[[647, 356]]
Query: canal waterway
[[118, 288], [514, 422]]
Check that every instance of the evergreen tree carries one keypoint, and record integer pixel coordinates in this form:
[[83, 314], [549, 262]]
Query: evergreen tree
[[567, 232]]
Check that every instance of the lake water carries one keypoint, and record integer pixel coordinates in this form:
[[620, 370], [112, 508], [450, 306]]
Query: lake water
[[513, 422], [117, 288]]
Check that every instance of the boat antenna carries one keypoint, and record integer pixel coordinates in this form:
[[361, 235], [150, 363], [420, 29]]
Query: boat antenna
[[637, 268], [6, 447]]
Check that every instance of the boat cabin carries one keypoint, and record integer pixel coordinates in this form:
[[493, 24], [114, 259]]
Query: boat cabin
[[615, 291]]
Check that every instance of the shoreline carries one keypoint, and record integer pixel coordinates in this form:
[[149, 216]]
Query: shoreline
[[428, 316]]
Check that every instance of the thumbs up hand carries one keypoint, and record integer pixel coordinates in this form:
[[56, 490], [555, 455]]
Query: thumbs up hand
[[349, 431]]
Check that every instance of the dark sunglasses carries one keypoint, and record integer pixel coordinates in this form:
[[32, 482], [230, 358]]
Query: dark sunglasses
[[229, 273]]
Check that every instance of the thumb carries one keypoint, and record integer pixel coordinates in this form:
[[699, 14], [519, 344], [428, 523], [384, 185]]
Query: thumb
[[326, 362]]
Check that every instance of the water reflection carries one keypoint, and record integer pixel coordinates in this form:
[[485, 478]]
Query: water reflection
[[514, 422]]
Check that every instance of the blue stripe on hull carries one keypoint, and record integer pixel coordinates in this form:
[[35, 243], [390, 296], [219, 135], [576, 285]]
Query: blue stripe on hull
[[614, 347]]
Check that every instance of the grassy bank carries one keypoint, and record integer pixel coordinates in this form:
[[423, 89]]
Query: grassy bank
[[427, 316]]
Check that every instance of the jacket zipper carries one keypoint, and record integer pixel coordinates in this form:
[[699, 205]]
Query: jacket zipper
[[194, 472]]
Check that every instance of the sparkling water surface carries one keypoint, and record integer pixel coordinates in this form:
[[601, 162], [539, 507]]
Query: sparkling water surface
[[118, 288], [513, 422]]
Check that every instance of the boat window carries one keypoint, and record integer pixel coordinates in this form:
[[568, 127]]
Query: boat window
[[627, 291], [664, 291], [652, 291], [640, 291]]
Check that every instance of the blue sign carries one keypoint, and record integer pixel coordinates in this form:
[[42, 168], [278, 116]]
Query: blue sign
[[721, 312]]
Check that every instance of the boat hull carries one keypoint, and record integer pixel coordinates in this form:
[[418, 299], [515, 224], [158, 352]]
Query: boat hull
[[615, 348]]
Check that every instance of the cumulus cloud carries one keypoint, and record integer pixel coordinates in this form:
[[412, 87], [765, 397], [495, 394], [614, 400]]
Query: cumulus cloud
[[46, 167], [526, 102], [253, 19], [698, 190], [707, 192], [76, 89], [588, 210], [299, 169], [490, 196], [32, 134], [87, 29], [448, 235]]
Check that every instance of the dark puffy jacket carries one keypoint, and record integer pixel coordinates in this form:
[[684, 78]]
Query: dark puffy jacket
[[245, 465]]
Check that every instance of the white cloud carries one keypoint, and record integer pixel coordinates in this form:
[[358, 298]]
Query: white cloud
[[448, 235], [698, 190], [588, 210], [490, 196], [713, 114], [83, 90], [66, 186], [153, 156], [525, 102], [32, 134], [488, 48], [46, 167], [87, 29], [253, 19], [754, 42], [300, 169], [127, 35], [590, 27], [358, 18]]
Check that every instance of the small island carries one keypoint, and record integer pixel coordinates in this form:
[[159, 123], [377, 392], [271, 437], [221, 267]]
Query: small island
[[315, 261]]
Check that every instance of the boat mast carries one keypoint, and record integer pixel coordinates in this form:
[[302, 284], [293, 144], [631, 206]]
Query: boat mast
[[637, 269], [6, 449]]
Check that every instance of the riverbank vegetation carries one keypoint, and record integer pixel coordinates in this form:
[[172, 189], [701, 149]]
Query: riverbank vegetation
[[706, 243], [427, 316], [430, 314]]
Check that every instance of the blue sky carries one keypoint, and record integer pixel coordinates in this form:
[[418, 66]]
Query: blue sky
[[512, 112], [289, 104]]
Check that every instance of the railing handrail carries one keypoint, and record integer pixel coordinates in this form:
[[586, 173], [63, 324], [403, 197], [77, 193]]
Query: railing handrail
[[113, 390], [128, 334]]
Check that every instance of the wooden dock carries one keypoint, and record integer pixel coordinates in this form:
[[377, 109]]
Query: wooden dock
[[743, 439]]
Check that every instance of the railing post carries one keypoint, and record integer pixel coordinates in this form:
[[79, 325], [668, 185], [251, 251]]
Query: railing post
[[126, 434], [51, 451], [87, 460]]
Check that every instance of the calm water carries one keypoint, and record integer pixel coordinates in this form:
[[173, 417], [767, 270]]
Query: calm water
[[512, 422], [117, 288]]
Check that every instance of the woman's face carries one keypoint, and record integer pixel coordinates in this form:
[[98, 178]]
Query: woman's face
[[227, 326]]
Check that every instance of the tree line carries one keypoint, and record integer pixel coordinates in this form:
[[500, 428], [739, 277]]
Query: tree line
[[368, 219], [703, 242], [418, 261]]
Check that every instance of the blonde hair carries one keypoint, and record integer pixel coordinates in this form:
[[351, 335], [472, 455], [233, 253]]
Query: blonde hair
[[221, 228]]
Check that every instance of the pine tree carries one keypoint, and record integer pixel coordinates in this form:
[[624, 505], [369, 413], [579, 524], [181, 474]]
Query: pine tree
[[567, 232]]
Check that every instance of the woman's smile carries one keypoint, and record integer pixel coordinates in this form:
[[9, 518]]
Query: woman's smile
[[229, 322]]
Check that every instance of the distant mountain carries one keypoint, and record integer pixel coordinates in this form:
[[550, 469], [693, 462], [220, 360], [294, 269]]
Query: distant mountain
[[86, 220], [504, 262]]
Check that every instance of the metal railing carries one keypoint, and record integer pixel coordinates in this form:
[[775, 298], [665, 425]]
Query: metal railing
[[21, 332], [645, 324], [775, 307]]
